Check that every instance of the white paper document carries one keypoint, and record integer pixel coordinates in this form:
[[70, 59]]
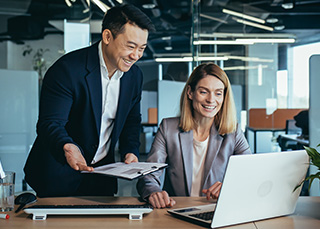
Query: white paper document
[[128, 171]]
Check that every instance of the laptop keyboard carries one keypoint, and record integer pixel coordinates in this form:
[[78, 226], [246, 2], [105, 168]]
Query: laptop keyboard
[[135, 211], [204, 215]]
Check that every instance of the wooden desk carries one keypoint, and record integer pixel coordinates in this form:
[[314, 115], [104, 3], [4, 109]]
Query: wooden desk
[[262, 129], [307, 216], [159, 218]]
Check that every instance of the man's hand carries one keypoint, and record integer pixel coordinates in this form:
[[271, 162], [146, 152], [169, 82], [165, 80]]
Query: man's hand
[[130, 157], [213, 191], [75, 158], [161, 200]]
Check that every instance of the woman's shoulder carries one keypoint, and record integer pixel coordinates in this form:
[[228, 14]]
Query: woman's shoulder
[[236, 132], [169, 129], [170, 121]]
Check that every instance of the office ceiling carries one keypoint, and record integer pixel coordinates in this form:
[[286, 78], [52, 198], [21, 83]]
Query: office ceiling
[[29, 19]]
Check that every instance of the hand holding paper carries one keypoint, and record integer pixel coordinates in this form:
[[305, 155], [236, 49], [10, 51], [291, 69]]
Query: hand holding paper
[[128, 171]]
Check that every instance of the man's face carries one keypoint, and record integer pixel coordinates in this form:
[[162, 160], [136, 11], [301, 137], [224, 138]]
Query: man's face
[[126, 49]]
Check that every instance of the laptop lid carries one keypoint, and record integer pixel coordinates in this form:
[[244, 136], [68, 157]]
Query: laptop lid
[[256, 187]]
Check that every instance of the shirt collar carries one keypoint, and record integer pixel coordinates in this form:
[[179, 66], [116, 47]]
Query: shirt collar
[[117, 75]]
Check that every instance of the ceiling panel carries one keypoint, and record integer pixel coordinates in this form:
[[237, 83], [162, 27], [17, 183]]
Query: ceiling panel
[[173, 19]]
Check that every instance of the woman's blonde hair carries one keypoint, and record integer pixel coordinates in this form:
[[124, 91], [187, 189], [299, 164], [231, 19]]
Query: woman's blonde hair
[[226, 119]]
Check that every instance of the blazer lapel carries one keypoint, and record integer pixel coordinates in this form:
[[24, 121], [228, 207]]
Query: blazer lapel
[[215, 142], [94, 84], [187, 156], [123, 107]]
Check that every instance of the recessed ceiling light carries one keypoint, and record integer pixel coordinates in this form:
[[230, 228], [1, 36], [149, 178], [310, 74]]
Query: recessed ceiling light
[[166, 38], [149, 6], [279, 27], [288, 5], [272, 20], [168, 48]]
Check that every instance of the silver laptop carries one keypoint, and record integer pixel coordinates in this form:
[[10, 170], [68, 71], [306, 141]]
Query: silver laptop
[[255, 187]]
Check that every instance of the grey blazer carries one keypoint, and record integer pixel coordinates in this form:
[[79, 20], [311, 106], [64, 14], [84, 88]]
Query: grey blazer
[[175, 147]]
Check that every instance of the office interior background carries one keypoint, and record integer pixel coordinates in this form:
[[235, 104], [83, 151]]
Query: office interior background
[[270, 49]]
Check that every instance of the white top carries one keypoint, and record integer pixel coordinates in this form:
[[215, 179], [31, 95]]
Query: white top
[[110, 98], [199, 155]]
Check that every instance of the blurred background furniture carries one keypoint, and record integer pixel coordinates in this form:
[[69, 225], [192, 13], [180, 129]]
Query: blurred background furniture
[[260, 121], [297, 132]]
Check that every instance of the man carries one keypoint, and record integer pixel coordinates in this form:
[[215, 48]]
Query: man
[[90, 99]]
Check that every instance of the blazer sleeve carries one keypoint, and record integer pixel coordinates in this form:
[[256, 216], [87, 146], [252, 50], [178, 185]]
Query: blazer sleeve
[[55, 105], [158, 153], [241, 143]]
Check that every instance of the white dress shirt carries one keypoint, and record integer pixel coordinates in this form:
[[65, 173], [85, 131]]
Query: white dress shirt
[[199, 155], [110, 98]]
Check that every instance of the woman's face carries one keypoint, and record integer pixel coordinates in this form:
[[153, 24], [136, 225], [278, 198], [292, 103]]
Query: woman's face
[[207, 98]]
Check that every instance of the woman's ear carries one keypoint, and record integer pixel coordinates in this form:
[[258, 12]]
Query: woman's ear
[[189, 92], [106, 36]]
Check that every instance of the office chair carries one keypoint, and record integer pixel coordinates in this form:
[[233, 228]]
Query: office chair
[[291, 127]]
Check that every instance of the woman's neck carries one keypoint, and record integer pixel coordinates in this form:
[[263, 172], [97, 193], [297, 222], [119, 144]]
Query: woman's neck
[[202, 129]]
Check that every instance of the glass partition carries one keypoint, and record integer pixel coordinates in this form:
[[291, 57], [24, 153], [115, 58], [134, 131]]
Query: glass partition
[[255, 60]]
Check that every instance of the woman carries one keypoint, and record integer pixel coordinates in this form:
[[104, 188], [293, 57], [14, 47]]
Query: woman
[[198, 144]]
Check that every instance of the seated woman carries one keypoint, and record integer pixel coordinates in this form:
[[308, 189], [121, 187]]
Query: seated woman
[[198, 144]]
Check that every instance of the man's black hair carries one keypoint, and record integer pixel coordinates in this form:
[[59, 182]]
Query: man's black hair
[[116, 17]]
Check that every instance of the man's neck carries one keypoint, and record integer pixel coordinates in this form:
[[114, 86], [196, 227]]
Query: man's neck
[[110, 70]]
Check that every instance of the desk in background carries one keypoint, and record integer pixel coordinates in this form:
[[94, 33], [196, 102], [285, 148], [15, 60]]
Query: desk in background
[[260, 121], [263, 129], [307, 215]]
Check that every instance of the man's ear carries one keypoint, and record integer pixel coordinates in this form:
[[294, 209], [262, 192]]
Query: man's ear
[[106, 36], [189, 92]]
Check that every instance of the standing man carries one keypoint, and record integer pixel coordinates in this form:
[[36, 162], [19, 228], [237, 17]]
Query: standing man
[[90, 99]]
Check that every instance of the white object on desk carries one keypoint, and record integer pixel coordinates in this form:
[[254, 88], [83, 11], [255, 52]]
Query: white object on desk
[[2, 174], [134, 211]]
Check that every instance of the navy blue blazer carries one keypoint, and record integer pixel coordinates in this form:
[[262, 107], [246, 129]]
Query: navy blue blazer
[[70, 112]]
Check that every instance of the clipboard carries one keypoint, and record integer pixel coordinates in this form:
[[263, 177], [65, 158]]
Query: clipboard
[[128, 171]]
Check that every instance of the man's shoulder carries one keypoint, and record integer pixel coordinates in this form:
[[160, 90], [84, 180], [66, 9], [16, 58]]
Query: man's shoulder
[[75, 63], [79, 55], [134, 75], [134, 70]]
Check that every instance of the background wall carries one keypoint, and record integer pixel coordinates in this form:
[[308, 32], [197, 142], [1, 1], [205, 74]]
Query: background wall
[[261, 86], [314, 111], [13, 53], [19, 112]]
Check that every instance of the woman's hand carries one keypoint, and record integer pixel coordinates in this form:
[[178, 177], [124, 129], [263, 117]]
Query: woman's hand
[[213, 191], [130, 157], [161, 200]]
